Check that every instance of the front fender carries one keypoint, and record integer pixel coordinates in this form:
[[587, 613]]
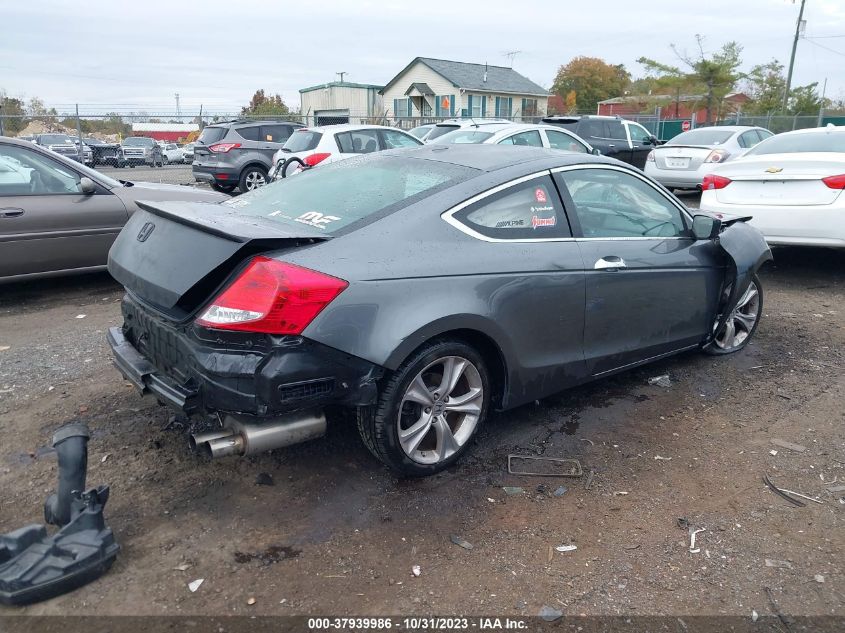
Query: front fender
[[747, 251]]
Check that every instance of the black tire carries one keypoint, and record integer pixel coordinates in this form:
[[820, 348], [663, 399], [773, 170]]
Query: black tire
[[165, 161], [223, 188], [253, 171], [132, 165], [379, 424], [714, 348]]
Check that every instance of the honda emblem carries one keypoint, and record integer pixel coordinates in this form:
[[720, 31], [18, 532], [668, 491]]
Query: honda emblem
[[145, 231]]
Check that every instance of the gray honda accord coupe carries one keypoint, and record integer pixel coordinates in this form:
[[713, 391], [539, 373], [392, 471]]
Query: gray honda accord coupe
[[421, 288]]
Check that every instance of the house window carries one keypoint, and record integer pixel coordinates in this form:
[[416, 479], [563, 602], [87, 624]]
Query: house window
[[426, 107], [444, 105], [504, 107], [476, 106], [402, 107], [529, 107]]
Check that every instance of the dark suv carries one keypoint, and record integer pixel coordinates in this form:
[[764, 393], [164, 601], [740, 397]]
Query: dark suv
[[627, 141], [239, 153]]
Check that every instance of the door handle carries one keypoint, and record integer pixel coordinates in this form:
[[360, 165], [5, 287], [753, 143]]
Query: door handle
[[610, 263], [11, 212]]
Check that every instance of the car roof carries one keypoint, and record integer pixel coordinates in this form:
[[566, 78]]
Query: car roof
[[831, 129], [494, 157], [727, 128], [347, 127]]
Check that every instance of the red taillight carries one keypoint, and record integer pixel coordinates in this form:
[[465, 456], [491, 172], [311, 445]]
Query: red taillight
[[712, 181], [315, 158], [835, 182], [272, 297], [222, 148]]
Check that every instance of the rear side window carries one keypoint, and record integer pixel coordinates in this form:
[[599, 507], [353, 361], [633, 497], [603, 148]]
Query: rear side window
[[616, 130], [250, 133], [211, 135], [821, 140], [561, 140], [275, 133], [594, 129], [303, 141], [528, 210], [358, 142], [396, 140], [338, 195], [530, 138]]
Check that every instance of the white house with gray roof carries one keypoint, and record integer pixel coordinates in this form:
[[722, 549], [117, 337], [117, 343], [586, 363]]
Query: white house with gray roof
[[430, 87]]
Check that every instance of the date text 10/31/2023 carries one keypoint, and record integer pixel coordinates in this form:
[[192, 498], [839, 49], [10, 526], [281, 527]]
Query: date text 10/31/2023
[[417, 624]]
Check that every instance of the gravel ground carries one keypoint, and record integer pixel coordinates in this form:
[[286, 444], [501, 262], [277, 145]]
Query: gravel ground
[[337, 534]]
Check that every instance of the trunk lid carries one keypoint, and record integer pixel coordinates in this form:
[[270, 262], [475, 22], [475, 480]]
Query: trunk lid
[[682, 157], [174, 255], [780, 179]]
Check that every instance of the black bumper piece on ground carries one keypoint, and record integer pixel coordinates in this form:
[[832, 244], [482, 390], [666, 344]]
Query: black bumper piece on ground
[[194, 370]]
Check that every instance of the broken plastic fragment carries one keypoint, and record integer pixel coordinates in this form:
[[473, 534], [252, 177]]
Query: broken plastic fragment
[[566, 548], [195, 584]]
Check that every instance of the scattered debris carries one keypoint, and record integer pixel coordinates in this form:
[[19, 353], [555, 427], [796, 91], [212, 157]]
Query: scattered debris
[[789, 445], [808, 498], [264, 479], [566, 548], [182, 567], [415, 570], [491, 500], [550, 614], [785, 620], [632, 546], [3, 348], [683, 523], [780, 492], [105, 457], [251, 601], [620, 493], [661, 381], [273, 554], [773, 452], [558, 467], [513, 490], [754, 615], [457, 540], [81, 316], [818, 578], [584, 439], [560, 491], [836, 489], [664, 459], [589, 481], [692, 532], [780, 564], [195, 584]]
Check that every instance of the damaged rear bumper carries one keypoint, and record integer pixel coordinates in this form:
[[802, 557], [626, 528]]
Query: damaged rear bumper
[[194, 370]]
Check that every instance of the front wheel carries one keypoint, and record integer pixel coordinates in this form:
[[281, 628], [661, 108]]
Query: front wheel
[[428, 410], [165, 161], [742, 323]]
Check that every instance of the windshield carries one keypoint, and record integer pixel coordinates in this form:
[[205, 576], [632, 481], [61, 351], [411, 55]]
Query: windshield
[[420, 131], [440, 130], [302, 141], [463, 136], [136, 140], [55, 139], [822, 140], [703, 136], [211, 135], [94, 141], [345, 192]]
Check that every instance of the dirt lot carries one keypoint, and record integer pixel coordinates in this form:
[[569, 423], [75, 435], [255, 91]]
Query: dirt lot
[[337, 534]]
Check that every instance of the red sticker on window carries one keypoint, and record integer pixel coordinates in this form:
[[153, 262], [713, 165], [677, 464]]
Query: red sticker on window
[[539, 195], [538, 221]]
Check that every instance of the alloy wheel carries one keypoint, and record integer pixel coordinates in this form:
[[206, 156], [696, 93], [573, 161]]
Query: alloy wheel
[[740, 324], [440, 410], [255, 179]]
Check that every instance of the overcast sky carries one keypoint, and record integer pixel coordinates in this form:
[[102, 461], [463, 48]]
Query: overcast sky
[[128, 56]]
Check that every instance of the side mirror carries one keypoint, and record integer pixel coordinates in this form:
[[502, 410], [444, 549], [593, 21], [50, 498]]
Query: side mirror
[[87, 186], [596, 151], [705, 227]]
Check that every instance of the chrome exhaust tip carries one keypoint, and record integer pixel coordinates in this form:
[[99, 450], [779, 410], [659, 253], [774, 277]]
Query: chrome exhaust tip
[[239, 437]]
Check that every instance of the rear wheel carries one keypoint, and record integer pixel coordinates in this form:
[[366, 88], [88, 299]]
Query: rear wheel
[[165, 161], [742, 323], [252, 178], [428, 410]]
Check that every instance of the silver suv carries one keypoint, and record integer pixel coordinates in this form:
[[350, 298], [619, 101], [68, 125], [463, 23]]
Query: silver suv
[[142, 150], [239, 153]]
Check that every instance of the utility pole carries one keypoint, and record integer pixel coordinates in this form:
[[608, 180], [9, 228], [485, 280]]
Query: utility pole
[[178, 110], [821, 105], [792, 57]]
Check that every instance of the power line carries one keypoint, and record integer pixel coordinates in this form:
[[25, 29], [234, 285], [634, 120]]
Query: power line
[[827, 48]]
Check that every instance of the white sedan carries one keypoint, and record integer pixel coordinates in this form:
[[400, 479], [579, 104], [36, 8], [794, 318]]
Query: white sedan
[[527, 134], [684, 160], [311, 146], [792, 184]]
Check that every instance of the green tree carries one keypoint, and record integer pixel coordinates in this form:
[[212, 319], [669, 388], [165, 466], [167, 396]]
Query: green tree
[[14, 114], [592, 80], [714, 74], [765, 84], [264, 105], [37, 110]]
